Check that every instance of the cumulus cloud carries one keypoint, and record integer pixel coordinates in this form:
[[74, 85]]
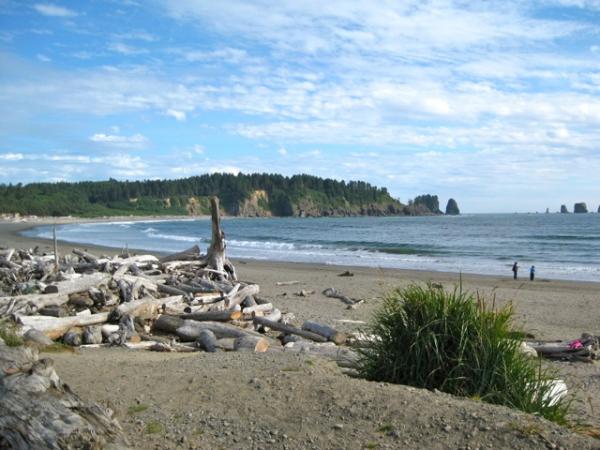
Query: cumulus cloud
[[11, 156]]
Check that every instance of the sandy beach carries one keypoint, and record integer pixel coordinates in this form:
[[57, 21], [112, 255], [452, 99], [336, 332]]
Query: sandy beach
[[290, 401]]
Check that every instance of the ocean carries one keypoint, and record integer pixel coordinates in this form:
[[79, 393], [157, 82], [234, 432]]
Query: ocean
[[561, 246]]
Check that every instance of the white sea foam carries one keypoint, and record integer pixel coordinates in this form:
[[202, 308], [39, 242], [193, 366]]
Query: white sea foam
[[172, 237]]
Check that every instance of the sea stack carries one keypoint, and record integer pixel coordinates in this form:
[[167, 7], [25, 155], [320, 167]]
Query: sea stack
[[563, 209], [452, 208], [598, 209], [580, 208]]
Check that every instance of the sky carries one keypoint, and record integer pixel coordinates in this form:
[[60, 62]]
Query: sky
[[495, 103]]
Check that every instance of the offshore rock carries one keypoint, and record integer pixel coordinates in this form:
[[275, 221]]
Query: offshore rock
[[563, 209], [580, 208], [452, 208]]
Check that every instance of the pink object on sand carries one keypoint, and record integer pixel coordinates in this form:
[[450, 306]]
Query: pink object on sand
[[576, 344]]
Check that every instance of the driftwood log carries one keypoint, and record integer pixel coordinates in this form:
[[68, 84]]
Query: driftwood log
[[289, 329], [38, 411], [215, 256]]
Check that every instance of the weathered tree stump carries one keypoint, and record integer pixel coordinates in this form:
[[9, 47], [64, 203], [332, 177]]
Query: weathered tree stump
[[38, 411]]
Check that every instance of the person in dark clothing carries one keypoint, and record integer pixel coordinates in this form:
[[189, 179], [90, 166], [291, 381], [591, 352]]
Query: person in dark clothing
[[515, 269], [531, 273]]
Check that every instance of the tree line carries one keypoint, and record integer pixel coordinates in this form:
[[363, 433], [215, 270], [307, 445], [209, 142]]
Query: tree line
[[112, 197]]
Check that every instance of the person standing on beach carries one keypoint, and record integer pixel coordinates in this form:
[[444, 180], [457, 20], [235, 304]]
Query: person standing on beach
[[531, 273], [515, 269]]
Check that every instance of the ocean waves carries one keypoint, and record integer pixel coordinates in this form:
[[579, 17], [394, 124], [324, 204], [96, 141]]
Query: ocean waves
[[559, 246]]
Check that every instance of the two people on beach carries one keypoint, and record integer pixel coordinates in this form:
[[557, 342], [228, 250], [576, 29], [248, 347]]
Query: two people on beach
[[515, 269]]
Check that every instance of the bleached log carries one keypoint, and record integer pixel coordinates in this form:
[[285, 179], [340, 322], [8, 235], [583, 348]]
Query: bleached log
[[255, 344], [138, 260], [107, 329], [190, 254], [241, 294], [217, 316], [189, 330], [172, 290], [132, 279], [265, 307], [328, 332], [38, 411], [87, 256], [274, 316], [56, 327], [215, 255], [36, 337], [207, 341], [289, 329], [286, 283]]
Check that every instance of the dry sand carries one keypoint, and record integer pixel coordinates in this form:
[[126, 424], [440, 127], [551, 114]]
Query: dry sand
[[232, 400]]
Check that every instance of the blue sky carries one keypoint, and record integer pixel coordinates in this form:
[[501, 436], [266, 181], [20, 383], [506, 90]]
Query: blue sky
[[496, 104]]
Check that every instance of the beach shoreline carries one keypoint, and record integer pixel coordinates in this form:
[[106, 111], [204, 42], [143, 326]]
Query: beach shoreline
[[548, 308], [190, 394]]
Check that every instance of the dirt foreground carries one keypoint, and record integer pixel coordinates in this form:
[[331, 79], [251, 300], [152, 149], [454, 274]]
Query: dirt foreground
[[294, 401]]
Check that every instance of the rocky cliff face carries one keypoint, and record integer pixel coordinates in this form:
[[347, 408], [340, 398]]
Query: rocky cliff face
[[563, 209], [452, 208], [255, 206], [580, 208]]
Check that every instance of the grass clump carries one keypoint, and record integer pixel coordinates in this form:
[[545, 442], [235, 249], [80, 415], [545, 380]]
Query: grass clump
[[134, 409], [154, 427], [430, 338], [9, 335]]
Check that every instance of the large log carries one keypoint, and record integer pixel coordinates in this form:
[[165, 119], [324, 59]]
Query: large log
[[189, 330], [38, 411], [326, 331], [21, 303], [216, 316], [288, 329], [238, 296], [56, 327], [255, 344], [207, 341]]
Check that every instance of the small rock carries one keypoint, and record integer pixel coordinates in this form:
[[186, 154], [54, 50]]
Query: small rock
[[338, 426]]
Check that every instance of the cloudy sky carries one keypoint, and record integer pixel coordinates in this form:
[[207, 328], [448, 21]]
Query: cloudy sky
[[496, 104]]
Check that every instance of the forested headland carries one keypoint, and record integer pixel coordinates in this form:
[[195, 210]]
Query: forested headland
[[241, 195]]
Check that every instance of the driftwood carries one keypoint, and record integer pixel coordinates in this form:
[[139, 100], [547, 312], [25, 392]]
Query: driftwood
[[22, 302], [251, 343], [191, 254], [239, 295], [56, 327], [207, 341], [334, 293], [586, 348], [327, 332], [38, 411], [215, 256], [216, 316], [289, 329]]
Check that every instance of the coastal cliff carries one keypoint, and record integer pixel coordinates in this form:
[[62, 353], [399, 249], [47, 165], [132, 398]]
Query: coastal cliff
[[241, 195]]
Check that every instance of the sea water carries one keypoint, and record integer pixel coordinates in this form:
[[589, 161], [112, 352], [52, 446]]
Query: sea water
[[561, 246]]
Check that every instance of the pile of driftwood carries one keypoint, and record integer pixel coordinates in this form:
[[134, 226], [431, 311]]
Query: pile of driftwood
[[584, 349], [186, 301]]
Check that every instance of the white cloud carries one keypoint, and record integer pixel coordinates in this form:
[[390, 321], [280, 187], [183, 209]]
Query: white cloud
[[134, 141], [199, 149], [48, 9], [125, 49], [43, 58], [178, 115], [282, 151], [11, 156], [225, 169]]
